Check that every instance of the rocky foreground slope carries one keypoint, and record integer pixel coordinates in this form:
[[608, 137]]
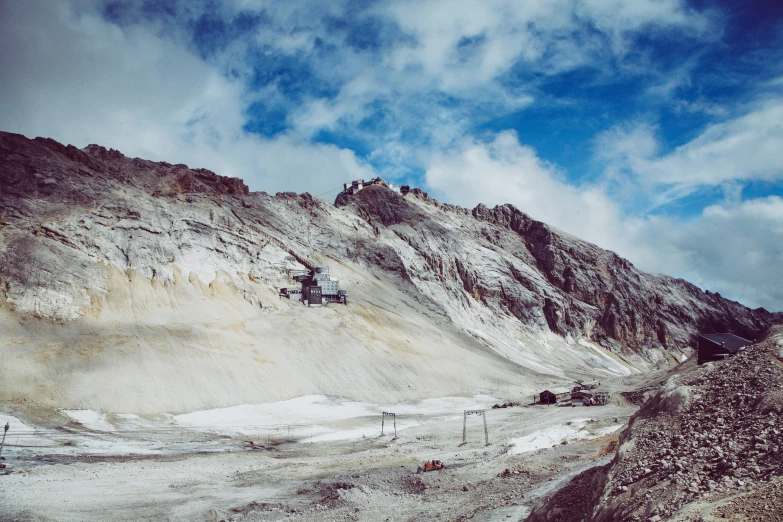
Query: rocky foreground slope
[[706, 447], [155, 284]]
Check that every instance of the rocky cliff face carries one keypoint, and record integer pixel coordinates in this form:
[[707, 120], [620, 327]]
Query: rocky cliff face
[[545, 278], [627, 308], [102, 256]]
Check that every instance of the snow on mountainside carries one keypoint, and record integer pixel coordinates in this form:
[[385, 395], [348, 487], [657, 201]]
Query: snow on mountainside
[[130, 285]]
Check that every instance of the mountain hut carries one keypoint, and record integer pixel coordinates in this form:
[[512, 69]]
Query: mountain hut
[[554, 395], [716, 347]]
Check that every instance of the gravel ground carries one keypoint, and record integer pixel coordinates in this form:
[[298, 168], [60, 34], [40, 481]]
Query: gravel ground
[[367, 479]]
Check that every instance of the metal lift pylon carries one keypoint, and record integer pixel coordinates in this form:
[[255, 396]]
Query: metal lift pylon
[[465, 425], [394, 419]]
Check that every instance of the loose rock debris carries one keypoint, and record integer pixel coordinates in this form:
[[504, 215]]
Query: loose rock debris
[[709, 435]]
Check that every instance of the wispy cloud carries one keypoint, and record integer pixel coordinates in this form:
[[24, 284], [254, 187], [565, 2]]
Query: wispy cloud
[[742, 148]]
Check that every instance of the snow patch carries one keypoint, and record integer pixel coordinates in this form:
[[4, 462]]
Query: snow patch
[[613, 366], [357, 433], [17, 428], [307, 415], [92, 420], [608, 430], [546, 438]]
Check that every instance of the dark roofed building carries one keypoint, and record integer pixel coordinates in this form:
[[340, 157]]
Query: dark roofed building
[[581, 394], [715, 347], [554, 395]]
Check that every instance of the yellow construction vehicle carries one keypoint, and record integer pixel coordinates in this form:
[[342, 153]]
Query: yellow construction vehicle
[[433, 465]]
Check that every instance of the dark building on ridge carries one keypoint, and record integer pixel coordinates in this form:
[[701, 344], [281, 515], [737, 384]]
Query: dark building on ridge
[[716, 347]]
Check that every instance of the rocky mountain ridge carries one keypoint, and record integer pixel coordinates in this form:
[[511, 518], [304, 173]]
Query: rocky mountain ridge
[[588, 291], [120, 252]]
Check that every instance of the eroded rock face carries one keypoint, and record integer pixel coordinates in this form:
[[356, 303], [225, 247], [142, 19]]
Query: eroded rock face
[[515, 265], [66, 214], [627, 305]]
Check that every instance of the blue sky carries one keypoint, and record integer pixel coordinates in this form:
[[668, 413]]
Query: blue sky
[[650, 127]]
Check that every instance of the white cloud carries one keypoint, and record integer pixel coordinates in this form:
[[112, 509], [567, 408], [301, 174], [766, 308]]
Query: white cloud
[[735, 248], [70, 75], [498, 28], [504, 171], [743, 148], [738, 149], [631, 143], [539, 34], [619, 16]]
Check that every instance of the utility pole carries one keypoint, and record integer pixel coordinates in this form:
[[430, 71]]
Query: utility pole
[[5, 431]]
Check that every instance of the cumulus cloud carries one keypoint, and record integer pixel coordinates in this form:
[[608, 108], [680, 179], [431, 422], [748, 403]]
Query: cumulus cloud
[[68, 74], [735, 249], [746, 147], [505, 171]]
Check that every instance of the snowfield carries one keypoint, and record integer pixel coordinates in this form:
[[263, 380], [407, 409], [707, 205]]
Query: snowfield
[[202, 465], [313, 409]]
